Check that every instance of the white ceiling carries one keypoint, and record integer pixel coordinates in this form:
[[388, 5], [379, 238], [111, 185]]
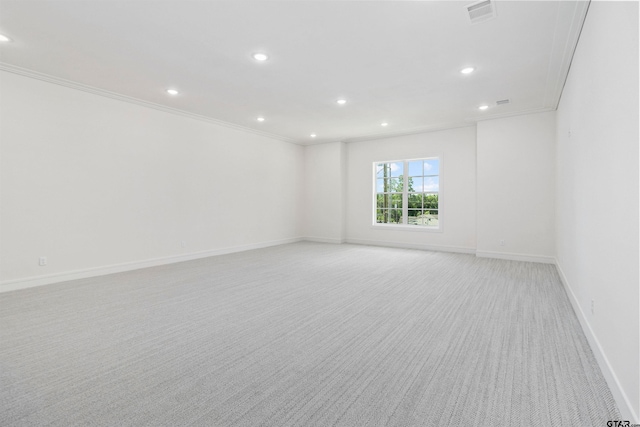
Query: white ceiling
[[395, 62]]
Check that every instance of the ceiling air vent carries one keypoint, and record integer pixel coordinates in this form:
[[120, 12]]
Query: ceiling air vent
[[481, 11], [503, 102]]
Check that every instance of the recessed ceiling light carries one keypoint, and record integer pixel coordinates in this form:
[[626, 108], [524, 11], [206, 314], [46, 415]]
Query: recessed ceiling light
[[313, 135], [261, 119], [467, 70], [260, 56], [384, 124], [483, 107], [4, 38], [172, 91], [341, 101]]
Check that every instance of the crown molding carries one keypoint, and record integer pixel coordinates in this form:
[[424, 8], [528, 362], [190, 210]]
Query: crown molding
[[113, 95], [565, 43], [410, 131], [513, 114]]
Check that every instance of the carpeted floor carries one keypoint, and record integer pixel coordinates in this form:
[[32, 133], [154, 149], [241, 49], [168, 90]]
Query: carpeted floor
[[305, 334]]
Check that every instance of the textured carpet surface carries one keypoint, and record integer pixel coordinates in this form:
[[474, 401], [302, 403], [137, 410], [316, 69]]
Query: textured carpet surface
[[305, 334]]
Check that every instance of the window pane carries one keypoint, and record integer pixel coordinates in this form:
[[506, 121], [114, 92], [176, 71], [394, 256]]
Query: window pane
[[413, 216], [396, 200], [425, 219], [396, 168], [432, 167], [431, 183], [415, 168], [389, 216], [395, 216], [389, 185], [382, 216], [430, 201], [415, 184], [380, 170], [415, 201], [395, 185], [392, 200], [431, 219], [385, 201]]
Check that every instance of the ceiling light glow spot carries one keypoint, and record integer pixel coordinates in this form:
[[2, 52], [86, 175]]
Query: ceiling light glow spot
[[483, 107], [261, 119], [384, 124], [260, 56], [313, 135], [341, 101], [467, 70], [4, 38], [172, 91]]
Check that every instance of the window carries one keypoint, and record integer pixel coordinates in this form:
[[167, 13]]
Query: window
[[407, 192]]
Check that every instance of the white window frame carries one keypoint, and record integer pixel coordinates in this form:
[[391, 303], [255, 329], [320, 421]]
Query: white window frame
[[405, 197]]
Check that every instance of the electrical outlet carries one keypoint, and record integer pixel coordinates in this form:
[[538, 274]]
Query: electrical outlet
[[42, 261], [593, 308], [501, 242]]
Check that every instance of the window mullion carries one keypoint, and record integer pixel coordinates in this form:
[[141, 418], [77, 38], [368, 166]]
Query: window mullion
[[405, 192]]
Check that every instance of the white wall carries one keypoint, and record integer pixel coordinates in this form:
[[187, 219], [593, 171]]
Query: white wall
[[516, 187], [324, 192], [90, 181], [597, 193], [457, 148]]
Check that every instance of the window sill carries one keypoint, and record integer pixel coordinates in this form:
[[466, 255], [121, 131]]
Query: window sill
[[403, 227]]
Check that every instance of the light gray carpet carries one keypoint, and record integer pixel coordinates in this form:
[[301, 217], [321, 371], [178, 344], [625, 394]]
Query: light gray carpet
[[302, 335]]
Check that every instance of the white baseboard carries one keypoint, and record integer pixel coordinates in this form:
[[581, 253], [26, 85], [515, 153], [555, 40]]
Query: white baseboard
[[516, 257], [323, 240], [29, 282], [438, 248], [621, 398]]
